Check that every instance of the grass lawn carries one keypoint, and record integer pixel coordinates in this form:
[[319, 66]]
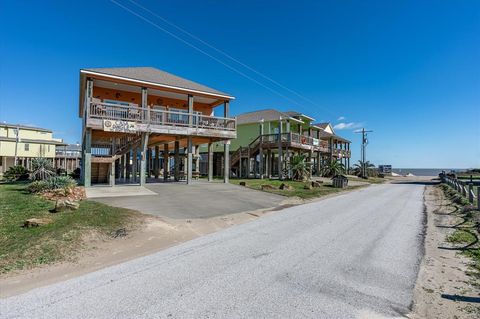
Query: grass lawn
[[22, 248], [298, 189]]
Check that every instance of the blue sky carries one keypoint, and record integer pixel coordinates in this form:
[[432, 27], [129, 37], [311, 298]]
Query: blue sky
[[409, 70]]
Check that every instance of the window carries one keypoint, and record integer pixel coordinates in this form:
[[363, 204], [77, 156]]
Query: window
[[48, 148], [27, 147]]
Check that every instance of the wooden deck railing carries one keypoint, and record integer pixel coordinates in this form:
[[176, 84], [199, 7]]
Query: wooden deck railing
[[117, 112]]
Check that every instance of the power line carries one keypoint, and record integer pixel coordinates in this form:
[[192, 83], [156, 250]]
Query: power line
[[229, 56], [202, 51]]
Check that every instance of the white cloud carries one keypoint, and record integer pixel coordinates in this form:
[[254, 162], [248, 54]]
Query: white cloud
[[341, 118], [347, 126]]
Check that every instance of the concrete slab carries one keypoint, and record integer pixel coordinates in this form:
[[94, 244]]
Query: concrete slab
[[117, 191], [198, 200]]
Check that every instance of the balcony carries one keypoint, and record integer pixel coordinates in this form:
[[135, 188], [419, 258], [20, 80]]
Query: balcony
[[134, 119]]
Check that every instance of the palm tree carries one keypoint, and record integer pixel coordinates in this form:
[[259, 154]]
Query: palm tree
[[333, 168], [299, 167], [369, 168], [42, 169]]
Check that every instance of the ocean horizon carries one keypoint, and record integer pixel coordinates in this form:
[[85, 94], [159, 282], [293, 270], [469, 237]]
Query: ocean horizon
[[426, 171]]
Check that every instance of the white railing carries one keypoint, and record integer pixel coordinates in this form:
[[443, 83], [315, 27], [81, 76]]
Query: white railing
[[118, 112]]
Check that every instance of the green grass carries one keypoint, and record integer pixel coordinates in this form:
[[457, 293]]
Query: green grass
[[461, 236], [371, 180], [297, 191], [22, 248]]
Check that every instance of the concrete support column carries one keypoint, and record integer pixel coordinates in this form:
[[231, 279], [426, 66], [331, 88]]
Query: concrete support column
[[166, 160], [210, 162], [189, 160], [143, 159], [111, 179], [156, 164], [176, 172]]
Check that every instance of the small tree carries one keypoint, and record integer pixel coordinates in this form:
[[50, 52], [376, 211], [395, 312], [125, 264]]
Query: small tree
[[299, 167], [42, 169], [333, 168]]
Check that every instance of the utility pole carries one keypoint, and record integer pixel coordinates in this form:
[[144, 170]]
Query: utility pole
[[363, 151]]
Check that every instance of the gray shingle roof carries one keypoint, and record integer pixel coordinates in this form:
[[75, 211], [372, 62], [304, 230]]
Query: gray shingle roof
[[149, 74], [256, 116]]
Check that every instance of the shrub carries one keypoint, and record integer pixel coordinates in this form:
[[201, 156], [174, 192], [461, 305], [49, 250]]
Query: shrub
[[16, 173], [61, 171], [76, 173], [60, 182], [37, 186], [42, 169]]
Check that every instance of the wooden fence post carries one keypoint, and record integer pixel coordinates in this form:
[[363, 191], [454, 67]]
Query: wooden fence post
[[470, 193], [478, 197]]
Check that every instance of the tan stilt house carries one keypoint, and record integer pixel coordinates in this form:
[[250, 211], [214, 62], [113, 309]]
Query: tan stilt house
[[142, 124]]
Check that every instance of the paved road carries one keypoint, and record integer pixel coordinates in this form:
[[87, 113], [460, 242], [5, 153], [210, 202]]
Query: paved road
[[351, 256]]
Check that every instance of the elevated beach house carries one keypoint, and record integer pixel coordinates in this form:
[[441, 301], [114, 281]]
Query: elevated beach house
[[267, 140], [141, 124], [19, 144]]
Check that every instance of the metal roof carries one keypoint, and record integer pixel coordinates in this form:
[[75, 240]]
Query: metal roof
[[156, 76]]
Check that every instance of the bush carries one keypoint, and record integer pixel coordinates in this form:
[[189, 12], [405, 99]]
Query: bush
[[61, 171], [76, 173], [16, 173], [60, 182], [42, 169], [37, 186]]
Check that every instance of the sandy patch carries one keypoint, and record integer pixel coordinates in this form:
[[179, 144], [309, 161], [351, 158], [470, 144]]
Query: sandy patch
[[442, 277]]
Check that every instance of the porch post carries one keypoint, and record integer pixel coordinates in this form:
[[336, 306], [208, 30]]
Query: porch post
[[143, 158], [260, 163], [226, 151], [348, 159], [210, 161], [156, 163], [166, 159], [280, 156], [176, 172], [189, 160]]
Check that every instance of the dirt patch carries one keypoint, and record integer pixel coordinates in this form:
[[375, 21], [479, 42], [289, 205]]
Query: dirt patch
[[443, 289]]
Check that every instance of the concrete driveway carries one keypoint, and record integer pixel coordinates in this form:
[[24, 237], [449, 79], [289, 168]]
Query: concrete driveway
[[199, 200]]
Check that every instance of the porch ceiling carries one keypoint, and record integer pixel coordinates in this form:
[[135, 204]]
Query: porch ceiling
[[137, 89]]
